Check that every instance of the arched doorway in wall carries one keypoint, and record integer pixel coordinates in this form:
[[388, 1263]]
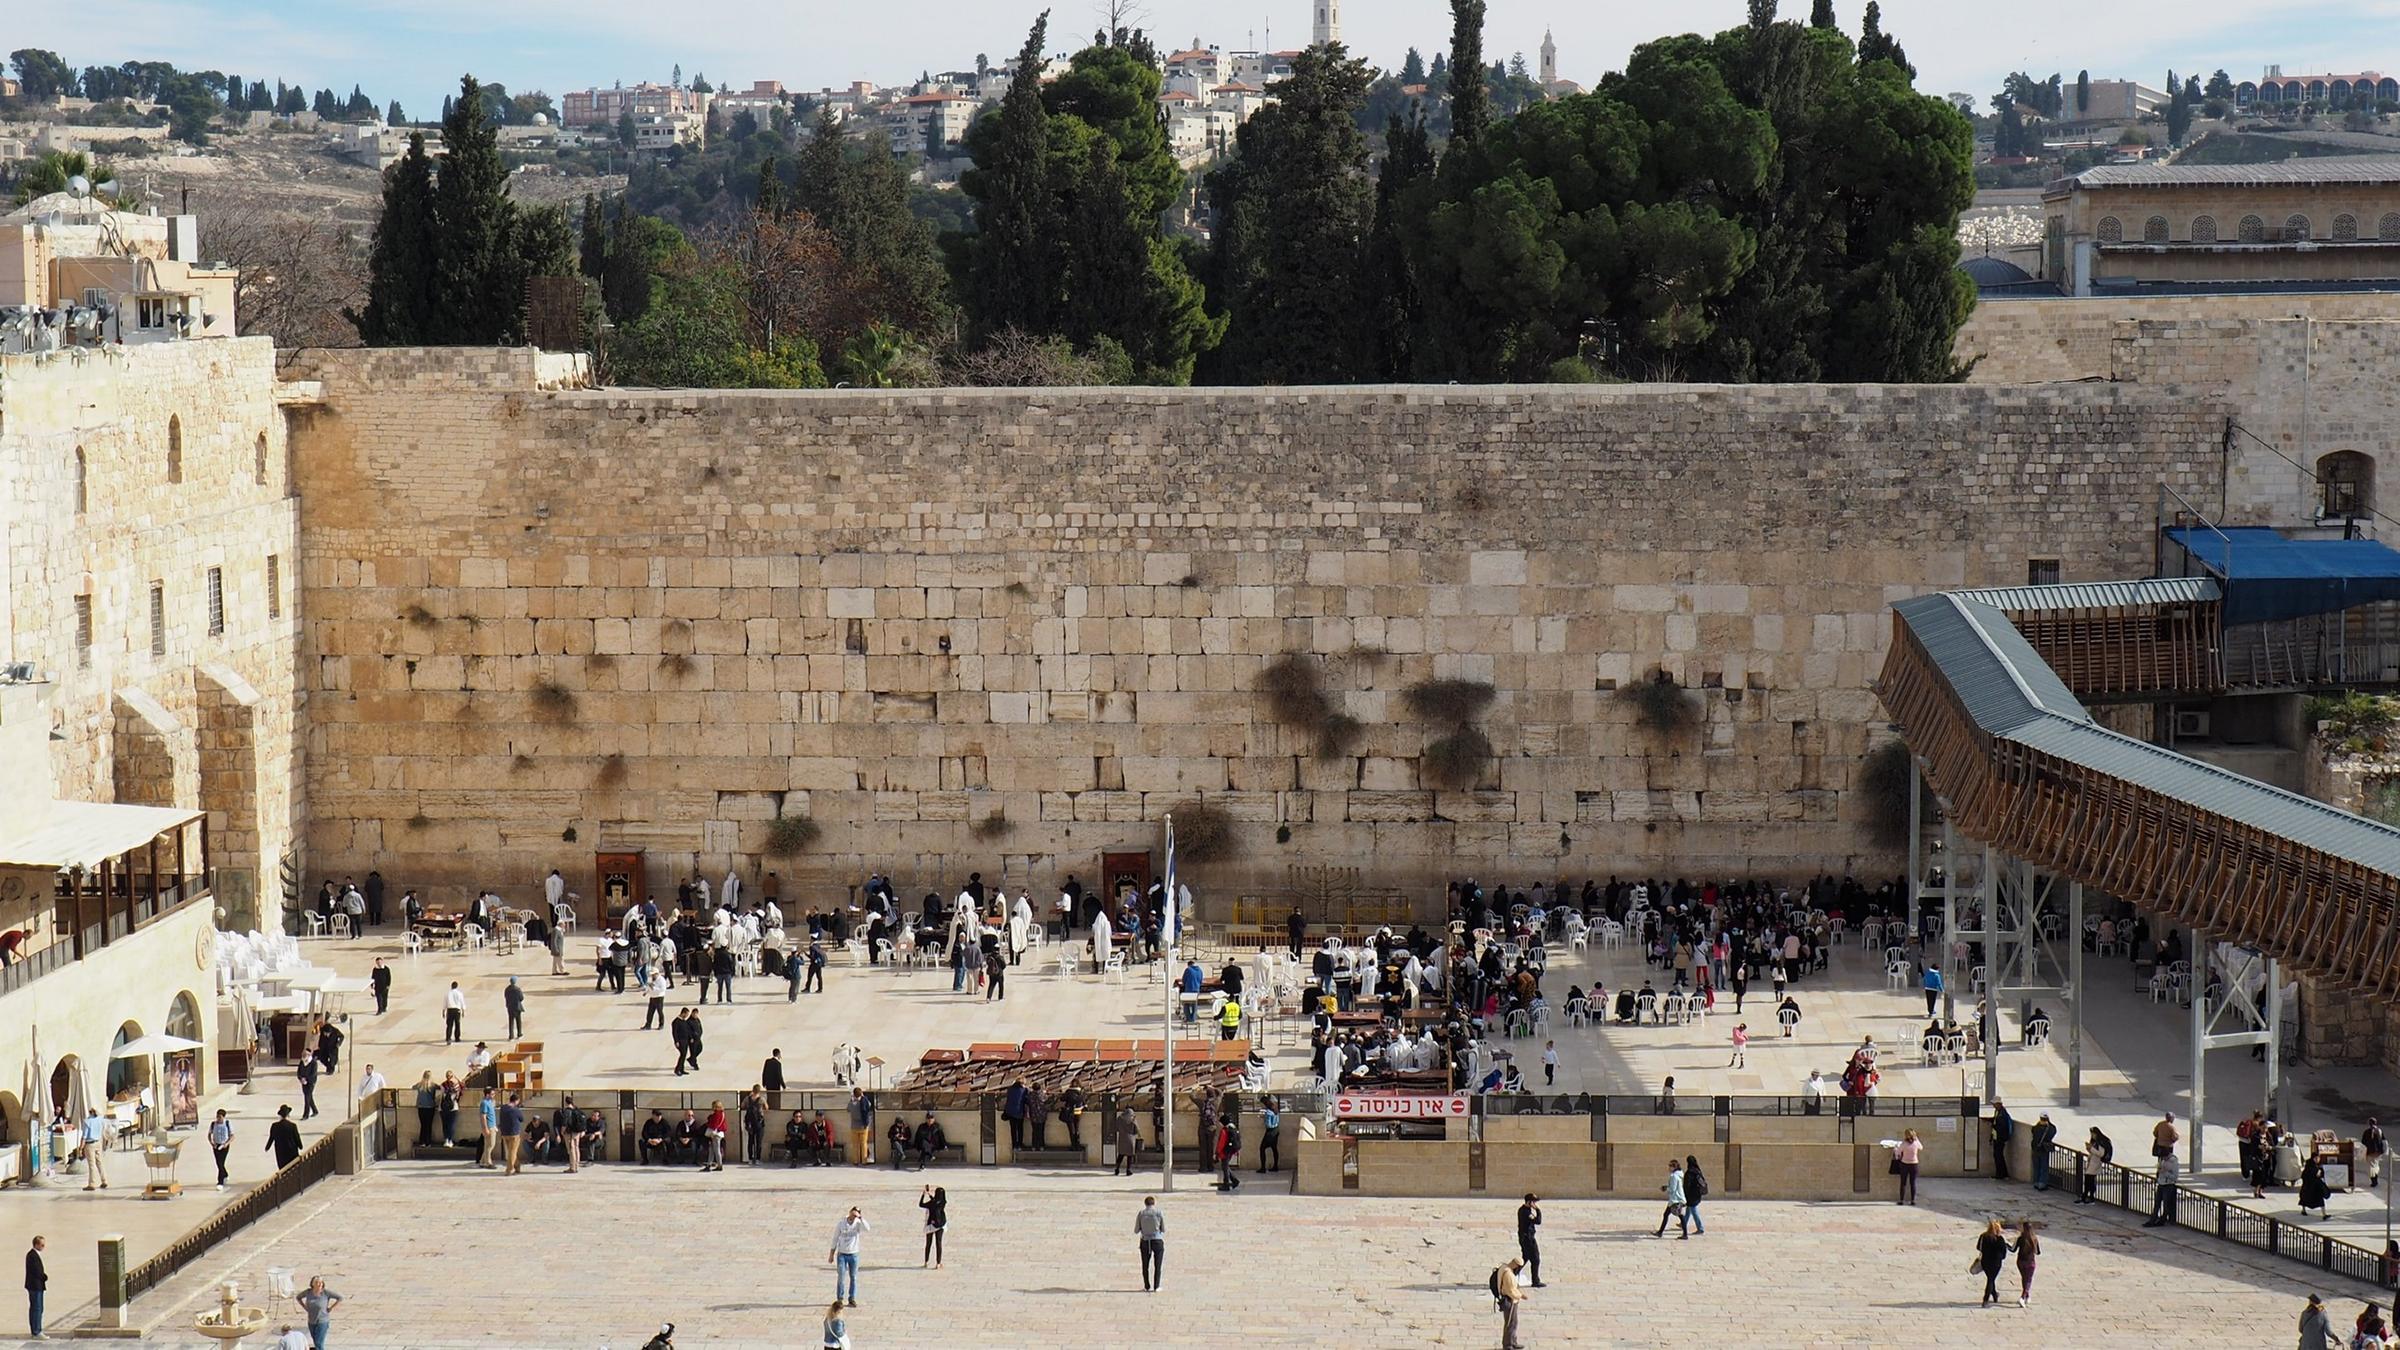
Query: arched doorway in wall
[[67, 1087], [13, 1126], [2346, 486], [187, 1071], [126, 1074]]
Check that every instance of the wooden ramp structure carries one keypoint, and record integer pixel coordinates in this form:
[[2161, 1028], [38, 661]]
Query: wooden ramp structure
[[1980, 683]]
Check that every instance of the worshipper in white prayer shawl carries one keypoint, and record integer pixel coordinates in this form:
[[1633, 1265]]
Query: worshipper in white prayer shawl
[[1101, 938], [732, 894]]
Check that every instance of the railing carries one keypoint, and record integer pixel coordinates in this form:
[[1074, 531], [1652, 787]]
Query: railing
[[2198, 1211], [56, 956], [314, 1164]]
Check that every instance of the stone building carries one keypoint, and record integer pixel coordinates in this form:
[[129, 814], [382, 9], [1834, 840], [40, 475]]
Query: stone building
[[149, 605], [2311, 223]]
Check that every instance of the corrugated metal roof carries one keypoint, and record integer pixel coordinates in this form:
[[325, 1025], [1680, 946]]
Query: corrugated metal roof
[[2305, 171], [2099, 594], [2013, 695]]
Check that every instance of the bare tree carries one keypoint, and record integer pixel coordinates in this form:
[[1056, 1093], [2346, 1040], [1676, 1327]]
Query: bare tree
[[298, 271]]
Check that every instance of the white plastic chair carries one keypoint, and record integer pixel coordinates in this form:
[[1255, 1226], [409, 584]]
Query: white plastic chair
[[1066, 958], [1114, 967], [473, 933], [1579, 1012], [341, 925], [1612, 934], [411, 942], [1896, 974], [316, 923]]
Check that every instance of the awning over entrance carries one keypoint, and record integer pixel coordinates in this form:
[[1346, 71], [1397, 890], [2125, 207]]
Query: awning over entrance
[[83, 834], [2269, 577]]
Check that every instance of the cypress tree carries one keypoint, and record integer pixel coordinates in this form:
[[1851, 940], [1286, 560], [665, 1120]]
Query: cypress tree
[[1470, 99], [475, 225], [1392, 307], [1010, 278], [400, 295], [1822, 16]]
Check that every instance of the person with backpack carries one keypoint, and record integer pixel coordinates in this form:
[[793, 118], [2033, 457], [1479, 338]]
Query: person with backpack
[[1678, 1204], [1229, 1152], [1508, 1296], [1695, 1189]]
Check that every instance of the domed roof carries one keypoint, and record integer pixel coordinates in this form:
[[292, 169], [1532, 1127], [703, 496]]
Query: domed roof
[[1987, 272]]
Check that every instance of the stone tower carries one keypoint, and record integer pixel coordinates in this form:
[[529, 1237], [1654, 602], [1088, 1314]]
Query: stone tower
[[1549, 58], [1329, 23]]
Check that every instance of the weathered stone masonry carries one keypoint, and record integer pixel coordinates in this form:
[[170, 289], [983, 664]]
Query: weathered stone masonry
[[1008, 629]]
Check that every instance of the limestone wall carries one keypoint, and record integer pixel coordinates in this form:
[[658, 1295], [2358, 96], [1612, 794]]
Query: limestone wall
[[88, 508], [1008, 629], [2032, 341]]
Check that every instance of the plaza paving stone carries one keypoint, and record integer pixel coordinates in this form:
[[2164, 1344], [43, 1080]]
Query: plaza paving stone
[[2135, 1064], [432, 1255]]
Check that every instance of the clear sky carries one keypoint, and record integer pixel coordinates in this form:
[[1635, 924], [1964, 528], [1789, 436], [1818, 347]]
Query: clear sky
[[415, 49]]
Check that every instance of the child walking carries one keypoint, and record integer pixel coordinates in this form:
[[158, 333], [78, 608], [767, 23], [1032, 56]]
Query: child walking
[[1549, 1063], [1741, 1043]]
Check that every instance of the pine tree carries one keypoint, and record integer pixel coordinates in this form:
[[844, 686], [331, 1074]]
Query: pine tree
[[476, 226], [1392, 307], [401, 266], [1011, 279], [392, 115], [1296, 207], [1822, 16], [1470, 99], [770, 189], [1412, 69], [1762, 13]]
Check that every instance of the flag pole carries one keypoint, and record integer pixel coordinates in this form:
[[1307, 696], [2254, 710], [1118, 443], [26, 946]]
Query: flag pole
[[1166, 1129]]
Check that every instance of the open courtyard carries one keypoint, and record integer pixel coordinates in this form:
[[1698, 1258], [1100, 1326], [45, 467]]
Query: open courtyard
[[433, 1256]]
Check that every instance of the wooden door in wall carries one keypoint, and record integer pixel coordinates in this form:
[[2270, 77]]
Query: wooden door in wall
[[618, 884], [1120, 870]]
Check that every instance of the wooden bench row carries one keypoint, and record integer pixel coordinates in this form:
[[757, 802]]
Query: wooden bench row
[[1085, 1050]]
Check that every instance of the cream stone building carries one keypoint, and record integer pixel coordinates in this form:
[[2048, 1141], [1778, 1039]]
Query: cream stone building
[[109, 276], [2302, 222], [148, 621]]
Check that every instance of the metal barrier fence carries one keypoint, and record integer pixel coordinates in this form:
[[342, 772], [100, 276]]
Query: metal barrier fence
[[315, 1163], [623, 1112], [1593, 1104], [2125, 1188]]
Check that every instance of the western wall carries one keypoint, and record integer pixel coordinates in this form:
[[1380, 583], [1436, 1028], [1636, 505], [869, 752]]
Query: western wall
[[1007, 630]]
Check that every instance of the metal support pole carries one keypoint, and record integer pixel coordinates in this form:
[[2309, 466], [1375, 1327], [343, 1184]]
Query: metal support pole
[[1166, 1093], [2274, 1014], [2199, 1046], [2074, 993], [1941, 958], [1916, 839], [1989, 1020]]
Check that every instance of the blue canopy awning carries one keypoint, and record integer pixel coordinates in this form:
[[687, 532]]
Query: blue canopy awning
[[2268, 577]]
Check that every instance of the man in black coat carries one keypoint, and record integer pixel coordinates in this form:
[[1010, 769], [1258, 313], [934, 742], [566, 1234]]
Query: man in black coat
[[680, 1029], [375, 899], [380, 980], [37, 1283], [770, 1077], [283, 1138]]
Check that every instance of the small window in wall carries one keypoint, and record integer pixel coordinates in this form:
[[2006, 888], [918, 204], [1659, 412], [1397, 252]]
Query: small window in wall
[[83, 632], [2295, 227], [274, 586], [216, 602], [82, 481], [2041, 571], [2111, 230], [158, 618], [2154, 230], [2204, 230], [2252, 230], [258, 465], [174, 449], [150, 311], [2389, 226], [2345, 228], [2346, 480]]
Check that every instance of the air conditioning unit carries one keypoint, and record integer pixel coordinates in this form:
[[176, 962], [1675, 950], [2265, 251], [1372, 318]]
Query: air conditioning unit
[[2191, 724]]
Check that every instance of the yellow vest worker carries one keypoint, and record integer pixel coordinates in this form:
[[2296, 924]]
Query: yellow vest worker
[[1229, 1019]]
